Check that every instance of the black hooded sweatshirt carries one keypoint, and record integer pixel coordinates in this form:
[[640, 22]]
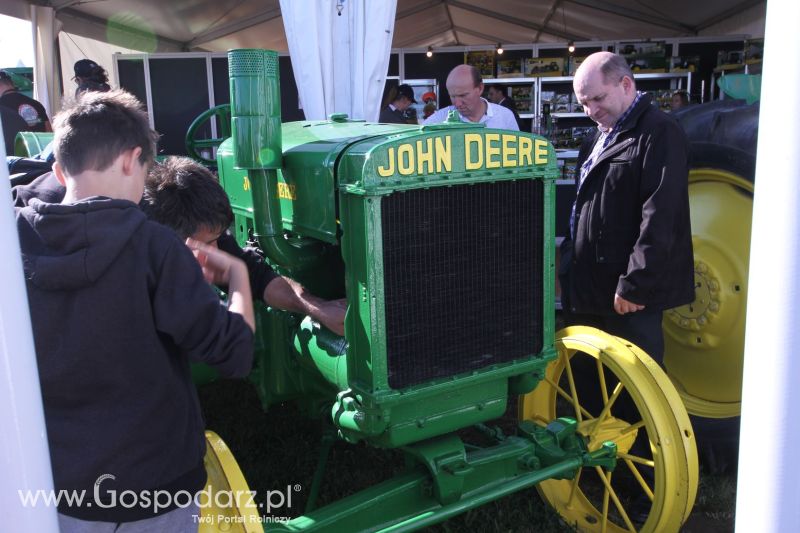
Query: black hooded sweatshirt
[[119, 306]]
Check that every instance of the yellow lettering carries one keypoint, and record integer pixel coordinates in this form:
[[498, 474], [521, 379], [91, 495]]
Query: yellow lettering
[[492, 150], [425, 157], [540, 152], [286, 191], [246, 184], [385, 172], [509, 150], [469, 139], [443, 160], [405, 160], [525, 147]]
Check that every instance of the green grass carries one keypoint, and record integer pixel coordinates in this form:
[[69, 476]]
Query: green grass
[[280, 449]]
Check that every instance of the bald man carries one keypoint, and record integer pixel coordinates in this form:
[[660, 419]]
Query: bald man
[[465, 87], [629, 255]]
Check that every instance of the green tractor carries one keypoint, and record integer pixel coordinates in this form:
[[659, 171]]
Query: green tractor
[[441, 238]]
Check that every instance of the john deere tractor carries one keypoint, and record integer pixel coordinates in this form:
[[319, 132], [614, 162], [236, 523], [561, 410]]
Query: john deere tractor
[[441, 238]]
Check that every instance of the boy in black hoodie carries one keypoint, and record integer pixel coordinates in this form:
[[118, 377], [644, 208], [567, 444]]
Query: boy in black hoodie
[[119, 306]]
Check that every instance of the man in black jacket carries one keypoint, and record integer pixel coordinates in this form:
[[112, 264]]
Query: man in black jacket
[[630, 253], [394, 112]]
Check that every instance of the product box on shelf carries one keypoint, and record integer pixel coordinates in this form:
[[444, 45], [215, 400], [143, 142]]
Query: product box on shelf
[[483, 61], [521, 94], [646, 56], [509, 68], [684, 63], [544, 66]]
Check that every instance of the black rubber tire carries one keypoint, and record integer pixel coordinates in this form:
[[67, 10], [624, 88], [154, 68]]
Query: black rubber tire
[[723, 157]]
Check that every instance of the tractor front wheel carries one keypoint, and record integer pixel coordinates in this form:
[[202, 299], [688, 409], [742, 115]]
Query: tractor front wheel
[[617, 393]]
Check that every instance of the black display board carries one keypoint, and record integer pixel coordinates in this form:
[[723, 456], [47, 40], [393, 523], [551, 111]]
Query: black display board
[[131, 78], [180, 93]]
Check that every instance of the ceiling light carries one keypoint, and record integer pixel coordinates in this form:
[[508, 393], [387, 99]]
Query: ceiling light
[[499, 48], [571, 47], [429, 53]]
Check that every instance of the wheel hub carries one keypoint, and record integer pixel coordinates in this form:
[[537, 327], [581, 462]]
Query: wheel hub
[[696, 316], [611, 429]]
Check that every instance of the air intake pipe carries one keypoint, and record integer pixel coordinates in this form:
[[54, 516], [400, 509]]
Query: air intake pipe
[[257, 147]]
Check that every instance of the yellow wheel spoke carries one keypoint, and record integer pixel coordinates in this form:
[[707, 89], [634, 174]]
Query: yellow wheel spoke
[[604, 522], [639, 478], [572, 388], [615, 499], [606, 409], [574, 488], [601, 376], [561, 392], [637, 459], [632, 427]]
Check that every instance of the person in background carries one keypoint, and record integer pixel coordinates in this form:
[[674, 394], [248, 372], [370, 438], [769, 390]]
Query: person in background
[[12, 124], [31, 111], [90, 77], [394, 112], [429, 99], [679, 99], [465, 87], [498, 94]]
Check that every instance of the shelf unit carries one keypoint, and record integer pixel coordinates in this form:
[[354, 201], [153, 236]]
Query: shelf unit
[[517, 81]]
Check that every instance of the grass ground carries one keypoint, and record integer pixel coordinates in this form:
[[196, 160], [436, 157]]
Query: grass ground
[[280, 449]]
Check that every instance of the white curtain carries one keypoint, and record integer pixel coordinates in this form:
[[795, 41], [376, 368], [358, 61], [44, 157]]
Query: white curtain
[[45, 73], [340, 61]]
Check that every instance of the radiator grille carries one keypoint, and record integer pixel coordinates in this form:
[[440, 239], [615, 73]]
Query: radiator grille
[[462, 278]]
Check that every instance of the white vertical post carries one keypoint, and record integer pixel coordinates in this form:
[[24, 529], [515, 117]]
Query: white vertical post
[[769, 465], [24, 456]]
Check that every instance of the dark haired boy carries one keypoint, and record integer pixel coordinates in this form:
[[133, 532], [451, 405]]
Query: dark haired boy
[[119, 306], [186, 196]]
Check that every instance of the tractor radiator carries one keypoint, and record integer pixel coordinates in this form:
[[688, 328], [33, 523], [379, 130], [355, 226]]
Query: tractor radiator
[[462, 278]]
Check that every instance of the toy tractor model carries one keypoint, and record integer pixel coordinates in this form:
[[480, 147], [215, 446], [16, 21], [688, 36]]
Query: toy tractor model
[[441, 238]]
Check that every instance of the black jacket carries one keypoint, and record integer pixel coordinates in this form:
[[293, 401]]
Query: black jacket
[[47, 189], [632, 229], [30, 110], [119, 307], [392, 116]]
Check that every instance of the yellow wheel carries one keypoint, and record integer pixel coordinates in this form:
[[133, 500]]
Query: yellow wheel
[[657, 454], [706, 337], [226, 502]]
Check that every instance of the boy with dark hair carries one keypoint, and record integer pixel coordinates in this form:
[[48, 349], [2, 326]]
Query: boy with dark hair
[[119, 306], [185, 196]]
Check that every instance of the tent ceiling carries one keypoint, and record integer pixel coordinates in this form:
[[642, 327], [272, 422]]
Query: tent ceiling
[[217, 25]]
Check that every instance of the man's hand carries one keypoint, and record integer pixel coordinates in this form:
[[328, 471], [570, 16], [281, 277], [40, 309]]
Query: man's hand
[[331, 315], [222, 268], [623, 306], [215, 263]]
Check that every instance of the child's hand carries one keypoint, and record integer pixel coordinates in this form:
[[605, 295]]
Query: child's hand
[[216, 264]]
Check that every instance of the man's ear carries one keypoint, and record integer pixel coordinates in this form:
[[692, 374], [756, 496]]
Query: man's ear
[[627, 83], [59, 172], [129, 159]]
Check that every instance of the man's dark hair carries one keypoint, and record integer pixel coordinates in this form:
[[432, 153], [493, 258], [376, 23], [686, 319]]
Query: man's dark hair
[[476, 75], [185, 196], [499, 87], [92, 132], [683, 95], [615, 68]]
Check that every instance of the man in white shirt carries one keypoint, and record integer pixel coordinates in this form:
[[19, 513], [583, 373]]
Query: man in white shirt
[[464, 85]]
